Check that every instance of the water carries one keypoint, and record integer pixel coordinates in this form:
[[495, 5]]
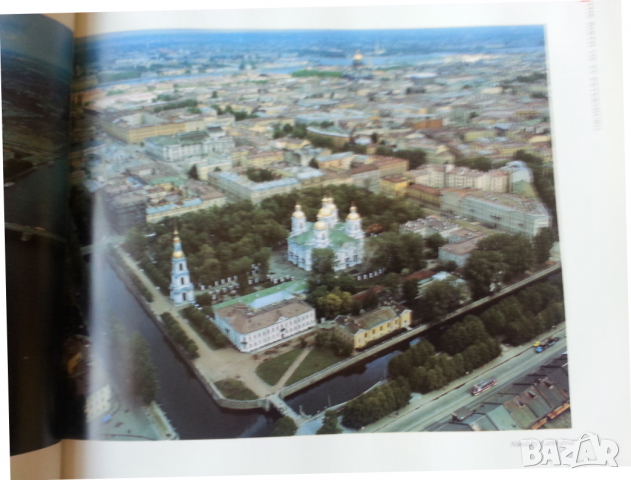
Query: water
[[345, 385], [39, 198], [192, 412], [34, 306]]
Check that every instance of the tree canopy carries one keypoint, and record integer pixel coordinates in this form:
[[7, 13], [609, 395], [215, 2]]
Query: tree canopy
[[330, 424], [284, 427], [440, 298]]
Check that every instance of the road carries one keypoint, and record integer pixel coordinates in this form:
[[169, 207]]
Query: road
[[431, 410]]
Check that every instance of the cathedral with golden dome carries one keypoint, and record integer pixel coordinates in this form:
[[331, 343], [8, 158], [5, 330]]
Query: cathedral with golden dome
[[346, 239]]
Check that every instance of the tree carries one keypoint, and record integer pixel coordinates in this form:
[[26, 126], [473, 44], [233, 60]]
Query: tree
[[143, 373], [374, 137], [415, 157], [284, 427], [323, 261], [371, 301], [464, 333], [214, 95], [391, 282], [330, 305], [483, 271], [435, 241], [515, 250], [410, 290], [450, 266], [135, 243], [192, 173], [439, 299], [313, 163], [542, 243], [383, 150], [330, 424]]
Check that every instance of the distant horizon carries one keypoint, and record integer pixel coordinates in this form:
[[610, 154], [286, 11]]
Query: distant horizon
[[217, 31]]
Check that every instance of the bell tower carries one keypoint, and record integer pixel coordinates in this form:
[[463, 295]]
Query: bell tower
[[182, 290]]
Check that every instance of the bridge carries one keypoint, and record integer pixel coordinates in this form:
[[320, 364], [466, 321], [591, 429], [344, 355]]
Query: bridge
[[286, 410], [28, 232]]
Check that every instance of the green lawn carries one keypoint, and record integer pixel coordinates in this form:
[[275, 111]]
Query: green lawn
[[318, 359], [235, 389], [271, 370]]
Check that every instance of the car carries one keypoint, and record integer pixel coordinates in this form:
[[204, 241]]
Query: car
[[483, 386], [540, 348], [552, 341]]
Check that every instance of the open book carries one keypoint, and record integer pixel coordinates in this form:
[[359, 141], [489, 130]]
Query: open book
[[311, 225]]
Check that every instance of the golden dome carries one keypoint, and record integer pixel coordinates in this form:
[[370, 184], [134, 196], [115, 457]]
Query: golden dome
[[298, 213], [324, 212], [319, 225], [353, 215], [176, 237], [178, 254], [358, 57]]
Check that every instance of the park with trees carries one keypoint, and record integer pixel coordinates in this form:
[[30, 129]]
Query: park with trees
[[226, 241]]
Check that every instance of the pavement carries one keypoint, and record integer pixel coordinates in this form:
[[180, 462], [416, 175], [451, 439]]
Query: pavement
[[279, 266]]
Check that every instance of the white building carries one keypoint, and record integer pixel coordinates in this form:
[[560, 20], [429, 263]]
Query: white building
[[345, 239], [450, 176], [504, 211], [252, 324], [181, 146]]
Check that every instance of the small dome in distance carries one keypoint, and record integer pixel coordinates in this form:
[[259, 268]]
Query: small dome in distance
[[324, 212], [353, 215], [298, 213]]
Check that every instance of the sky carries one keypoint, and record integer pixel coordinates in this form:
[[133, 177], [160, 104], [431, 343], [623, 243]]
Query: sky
[[37, 36]]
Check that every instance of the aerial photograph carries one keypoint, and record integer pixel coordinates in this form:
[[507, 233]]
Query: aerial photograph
[[305, 232]]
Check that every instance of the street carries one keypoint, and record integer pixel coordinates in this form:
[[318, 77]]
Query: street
[[428, 411]]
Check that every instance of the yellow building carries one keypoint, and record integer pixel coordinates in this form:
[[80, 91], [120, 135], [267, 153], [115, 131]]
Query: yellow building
[[371, 326], [424, 194], [136, 127], [262, 159], [389, 165], [474, 134], [393, 185]]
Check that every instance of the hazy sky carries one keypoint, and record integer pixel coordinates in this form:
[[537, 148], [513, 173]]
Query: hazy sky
[[37, 36]]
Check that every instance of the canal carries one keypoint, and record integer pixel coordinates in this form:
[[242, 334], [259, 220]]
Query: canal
[[189, 407]]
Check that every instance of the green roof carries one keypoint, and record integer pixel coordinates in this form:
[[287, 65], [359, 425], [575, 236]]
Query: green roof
[[291, 287], [339, 237], [304, 237]]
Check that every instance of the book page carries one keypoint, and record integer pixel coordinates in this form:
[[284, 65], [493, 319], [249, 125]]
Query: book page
[[35, 94], [584, 119]]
